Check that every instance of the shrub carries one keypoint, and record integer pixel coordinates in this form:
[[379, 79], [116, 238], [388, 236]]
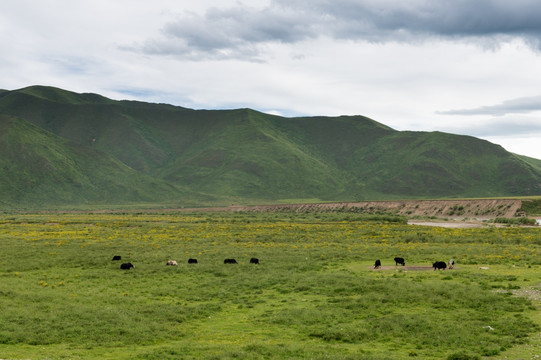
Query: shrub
[[515, 221], [463, 356]]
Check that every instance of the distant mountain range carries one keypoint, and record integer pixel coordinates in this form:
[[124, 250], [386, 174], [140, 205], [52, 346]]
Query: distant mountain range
[[59, 148]]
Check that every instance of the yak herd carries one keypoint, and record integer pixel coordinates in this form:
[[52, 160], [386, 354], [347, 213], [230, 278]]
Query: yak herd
[[128, 266], [438, 265]]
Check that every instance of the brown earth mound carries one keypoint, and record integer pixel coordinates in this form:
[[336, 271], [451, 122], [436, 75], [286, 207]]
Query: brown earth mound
[[482, 208]]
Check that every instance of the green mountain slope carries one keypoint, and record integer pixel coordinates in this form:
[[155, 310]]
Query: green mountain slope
[[536, 163], [40, 169], [440, 164], [244, 155]]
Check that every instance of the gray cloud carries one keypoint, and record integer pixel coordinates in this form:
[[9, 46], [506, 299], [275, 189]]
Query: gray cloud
[[440, 18], [236, 32], [515, 106], [242, 31], [499, 128]]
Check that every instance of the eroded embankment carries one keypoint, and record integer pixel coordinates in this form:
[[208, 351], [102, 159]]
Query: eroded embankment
[[482, 208]]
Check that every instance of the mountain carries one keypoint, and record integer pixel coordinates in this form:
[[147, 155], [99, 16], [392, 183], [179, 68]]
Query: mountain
[[38, 168], [60, 147]]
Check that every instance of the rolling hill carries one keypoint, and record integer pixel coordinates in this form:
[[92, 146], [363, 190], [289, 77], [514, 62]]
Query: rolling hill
[[60, 147], [39, 168]]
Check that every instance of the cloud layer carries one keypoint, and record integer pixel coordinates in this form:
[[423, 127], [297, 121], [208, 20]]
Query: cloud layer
[[241, 32], [515, 106]]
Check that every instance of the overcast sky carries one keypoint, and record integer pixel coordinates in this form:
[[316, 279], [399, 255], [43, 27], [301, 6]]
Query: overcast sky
[[459, 66]]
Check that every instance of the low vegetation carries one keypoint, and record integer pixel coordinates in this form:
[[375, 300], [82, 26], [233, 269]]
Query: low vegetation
[[516, 221], [313, 295], [531, 206]]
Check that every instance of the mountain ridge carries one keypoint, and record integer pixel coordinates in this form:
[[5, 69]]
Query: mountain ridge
[[202, 157]]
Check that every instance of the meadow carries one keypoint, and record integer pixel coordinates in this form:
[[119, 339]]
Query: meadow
[[314, 294]]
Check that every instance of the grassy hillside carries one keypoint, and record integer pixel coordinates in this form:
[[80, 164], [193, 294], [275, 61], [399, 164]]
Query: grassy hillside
[[247, 156], [440, 164], [39, 169], [253, 154], [536, 163]]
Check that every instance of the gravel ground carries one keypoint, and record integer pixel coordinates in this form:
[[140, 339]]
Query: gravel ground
[[532, 293]]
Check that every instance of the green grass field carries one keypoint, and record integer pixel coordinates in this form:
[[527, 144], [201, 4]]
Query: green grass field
[[314, 294]]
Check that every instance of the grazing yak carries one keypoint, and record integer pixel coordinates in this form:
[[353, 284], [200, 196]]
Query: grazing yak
[[117, 257], [230, 261], [399, 261], [127, 266], [439, 265], [254, 261], [172, 263], [451, 264], [377, 264], [192, 261]]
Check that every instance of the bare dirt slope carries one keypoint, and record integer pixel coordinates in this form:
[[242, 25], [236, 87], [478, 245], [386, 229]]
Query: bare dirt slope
[[482, 208]]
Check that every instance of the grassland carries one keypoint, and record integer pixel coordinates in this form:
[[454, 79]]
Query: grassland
[[313, 295]]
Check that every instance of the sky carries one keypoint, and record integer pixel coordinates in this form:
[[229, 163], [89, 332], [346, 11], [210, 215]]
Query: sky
[[459, 66]]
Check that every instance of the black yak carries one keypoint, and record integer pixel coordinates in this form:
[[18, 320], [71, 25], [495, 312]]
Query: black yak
[[439, 265]]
